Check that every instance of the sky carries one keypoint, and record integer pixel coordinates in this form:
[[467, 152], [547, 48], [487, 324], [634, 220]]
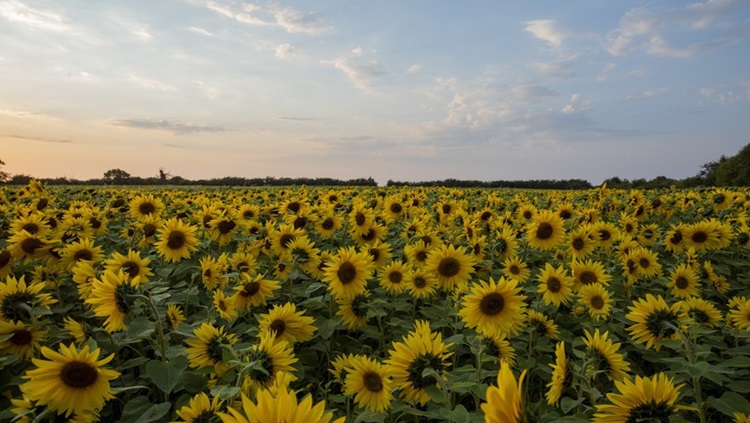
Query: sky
[[402, 90]]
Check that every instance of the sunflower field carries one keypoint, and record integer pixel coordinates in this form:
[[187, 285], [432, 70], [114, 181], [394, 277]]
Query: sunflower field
[[407, 304]]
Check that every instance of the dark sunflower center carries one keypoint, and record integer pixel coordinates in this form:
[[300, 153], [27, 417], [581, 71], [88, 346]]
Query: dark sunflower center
[[681, 282], [544, 231], [597, 302], [491, 348], [396, 208], [5, 258], [146, 208], [514, 269], [278, 326], [285, 240], [31, 245], [121, 297], [578, 244], [347, 272], [554, 285], [360, 218], [293, 207], [327, 224], [651, 412], [149, 230], [214, 349], [79, 375], [446, 208], [374, 253], [449, 267], [250, 289], [743, 238], [395, 277], [31, 228], [300, 222], [207, 221], [16, 306], [176, 240], [83, 255], [266, 362], [485, 216], [565, 214], [699, 316], [719, 198], [644, 263], [226, 226], [21, 337], [419, 282], [699, 237], [527, 215], [492, 304], [605, 235], [629, 227], [418, 366], [372, 382], [248, 214], [300, 255], [676, 238], [369, 235], [359, 306], [661, 324], [42, 204], [501, 246], [599, 359], [131, 268], [421, 255], [588, 277]]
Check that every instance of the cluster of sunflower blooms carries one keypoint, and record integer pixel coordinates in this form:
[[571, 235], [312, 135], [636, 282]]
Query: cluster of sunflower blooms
[[406, 303]]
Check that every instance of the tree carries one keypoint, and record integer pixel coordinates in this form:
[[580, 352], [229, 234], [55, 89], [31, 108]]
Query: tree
[[735, 171], [4, 176], [164, 176], [116, 176]]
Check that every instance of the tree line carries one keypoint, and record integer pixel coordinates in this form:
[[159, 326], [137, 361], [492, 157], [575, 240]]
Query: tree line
[[725, 171]]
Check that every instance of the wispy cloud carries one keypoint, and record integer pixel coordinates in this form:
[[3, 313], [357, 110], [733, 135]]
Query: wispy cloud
[[200, 31], [288, 19], [546, 30], [40, 139], [415, 68], [576, 104], [284, 50], [360, 74], [643, 95], [657, 46], [532, 93], [18, 12], [178, 128], [151, 83]]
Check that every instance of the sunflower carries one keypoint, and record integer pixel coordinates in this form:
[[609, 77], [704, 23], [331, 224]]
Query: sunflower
[[526, 212], [392, 277], [546, 231], [132, 264], [684, 282], [370, 385], [596, 299], [581, 242], [416, 253], [253, 291], [360, 218], [674, 238], [6, 263], [70, 381], [341, 366], [175, 315], [542, 325], [498, 346], [353, 312], [555, 285], [654, 321], [348, 272], [505, 244], [395, 208], [419, 350], [268, 358], [146, 206], [79, 331], [206, 348], [287, 324], [224, 305], [589, 273], [701, 312], [176, 240], [283, 237], [641, 399], [380, 253], [741, 418], [302, 253], [604, 355], [560, 375], [451, 266], [646, 262], [281, 407], [201, 409], [328, 223], [18, 299], [738, 315], [605, 233], [34, 224], [211, 272], [223, 230], [25, 246], [494, 307], [110, 298], [701, 235], [504, 401], [145, 230], [19, 339], [243, 262], [422, 284], [516, 269]]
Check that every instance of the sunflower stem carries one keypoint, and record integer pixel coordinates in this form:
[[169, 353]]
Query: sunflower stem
[[160, 330], [697, 389]]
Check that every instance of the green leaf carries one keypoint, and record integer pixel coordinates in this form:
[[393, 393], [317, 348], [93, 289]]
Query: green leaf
[[326, 327], [225, 392], [193, 382], [567, 404], [436, 395], [140, 328], [141, 410], [730, 403], [459, 415], [166, 374], [738, 362]]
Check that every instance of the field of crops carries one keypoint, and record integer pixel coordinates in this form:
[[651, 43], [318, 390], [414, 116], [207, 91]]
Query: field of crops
[[374, 305]]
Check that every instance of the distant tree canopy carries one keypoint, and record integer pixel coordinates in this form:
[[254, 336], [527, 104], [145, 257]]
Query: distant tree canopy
[[4, 176]]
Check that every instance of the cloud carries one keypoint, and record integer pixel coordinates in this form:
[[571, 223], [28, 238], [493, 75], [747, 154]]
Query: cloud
[[727, 94], [640, 29], [415, 68], [16, 11], [201, 31], [284, 50], [546, 30], [555, 70], [40, 139], [646, 94], [178, 128], [361, 74], [357, 51], [151, 83], [576, 105], [286, 18]]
